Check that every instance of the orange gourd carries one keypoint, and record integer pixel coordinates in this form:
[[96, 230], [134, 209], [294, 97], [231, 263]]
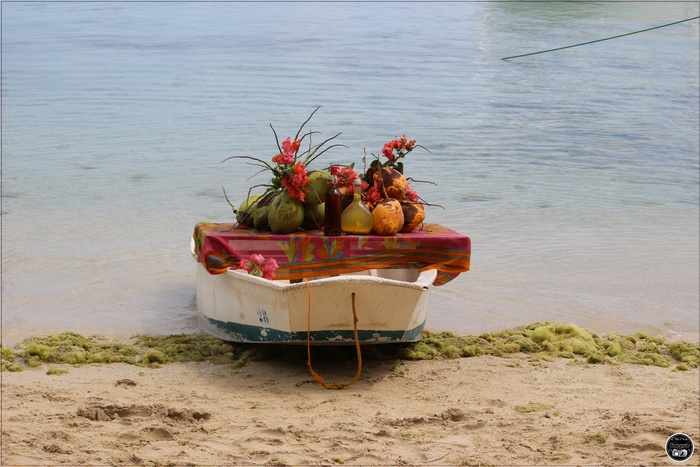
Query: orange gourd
[[387, 217]]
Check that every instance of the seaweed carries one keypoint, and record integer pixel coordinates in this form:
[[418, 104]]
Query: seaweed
[[543, 342], [598, 438], [8, 360], [557, 340], [71, 348], [533, 407], [185, 348]]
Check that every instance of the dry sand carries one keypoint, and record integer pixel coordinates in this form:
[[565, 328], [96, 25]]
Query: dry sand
[[470, 411]]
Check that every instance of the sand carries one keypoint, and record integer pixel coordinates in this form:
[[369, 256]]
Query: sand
[[484, 410]]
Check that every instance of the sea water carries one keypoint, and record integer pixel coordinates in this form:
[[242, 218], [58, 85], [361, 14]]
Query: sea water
[[574, 172]]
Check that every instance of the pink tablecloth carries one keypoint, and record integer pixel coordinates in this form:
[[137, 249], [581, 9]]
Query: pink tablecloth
[[311, 254]]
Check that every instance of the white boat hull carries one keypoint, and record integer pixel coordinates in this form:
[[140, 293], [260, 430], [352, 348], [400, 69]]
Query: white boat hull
[[390, 304]]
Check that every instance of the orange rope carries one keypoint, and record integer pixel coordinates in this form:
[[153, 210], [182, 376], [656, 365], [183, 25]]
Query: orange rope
[[316, 376]]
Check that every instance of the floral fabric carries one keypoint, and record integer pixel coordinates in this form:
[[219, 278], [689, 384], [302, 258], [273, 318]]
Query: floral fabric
[[311, 254]]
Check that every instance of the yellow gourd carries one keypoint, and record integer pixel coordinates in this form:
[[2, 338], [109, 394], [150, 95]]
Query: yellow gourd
[[356, 218]]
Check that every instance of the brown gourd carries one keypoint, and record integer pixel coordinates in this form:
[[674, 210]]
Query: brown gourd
[[393, 182], [413, 214]]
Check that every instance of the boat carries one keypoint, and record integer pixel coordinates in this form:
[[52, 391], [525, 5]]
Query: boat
[[390, 306], [379, 296]]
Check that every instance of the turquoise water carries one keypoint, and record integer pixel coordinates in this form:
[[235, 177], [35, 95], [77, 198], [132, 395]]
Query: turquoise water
[[575, 173]]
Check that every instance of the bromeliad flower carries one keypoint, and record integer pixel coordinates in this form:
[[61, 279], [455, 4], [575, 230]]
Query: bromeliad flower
[[258, 265]]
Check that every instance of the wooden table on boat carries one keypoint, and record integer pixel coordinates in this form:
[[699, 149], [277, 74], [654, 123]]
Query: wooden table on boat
[[309, 254]]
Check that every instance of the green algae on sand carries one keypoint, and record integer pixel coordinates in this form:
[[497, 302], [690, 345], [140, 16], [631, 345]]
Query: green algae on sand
[[141, 350], [533, 407], [73, 348], [547, 340], [8, 360], [542, 341]]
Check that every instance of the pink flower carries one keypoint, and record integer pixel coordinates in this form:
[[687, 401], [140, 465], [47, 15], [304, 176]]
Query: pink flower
[[373, 194], [268, 270], [247, 265], [289, 148], [411, 193], [346, 178], [257, 265], [388, 151], [257, 258], [283, 159]]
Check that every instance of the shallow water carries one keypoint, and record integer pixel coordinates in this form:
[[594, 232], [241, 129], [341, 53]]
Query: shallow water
[[575, 173]]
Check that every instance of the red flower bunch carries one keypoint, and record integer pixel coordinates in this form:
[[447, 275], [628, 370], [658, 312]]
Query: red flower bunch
[[289, 149], [347, 177], [372, 195], [411, 193], [402, 147], [258, 265], [295, 181], [394, 151], [289, 165], [291, 174]]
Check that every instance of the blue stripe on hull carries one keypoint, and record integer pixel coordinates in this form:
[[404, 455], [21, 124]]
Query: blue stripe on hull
[[236, 332]]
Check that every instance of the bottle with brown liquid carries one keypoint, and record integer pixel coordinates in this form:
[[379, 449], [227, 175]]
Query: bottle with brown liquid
[[333, 207], [356, 218]]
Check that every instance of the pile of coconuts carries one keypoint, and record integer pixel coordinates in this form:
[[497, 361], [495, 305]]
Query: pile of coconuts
[[282, 214]]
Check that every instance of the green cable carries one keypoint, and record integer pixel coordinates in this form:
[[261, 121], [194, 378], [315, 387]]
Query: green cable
[[601, 40]]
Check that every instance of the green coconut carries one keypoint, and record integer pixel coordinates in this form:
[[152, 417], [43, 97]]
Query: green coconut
[[261, 209], [318, 185], [285, 214], [314, 216], [245, 212]]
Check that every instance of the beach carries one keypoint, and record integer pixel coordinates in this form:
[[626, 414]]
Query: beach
[[486, 410]]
